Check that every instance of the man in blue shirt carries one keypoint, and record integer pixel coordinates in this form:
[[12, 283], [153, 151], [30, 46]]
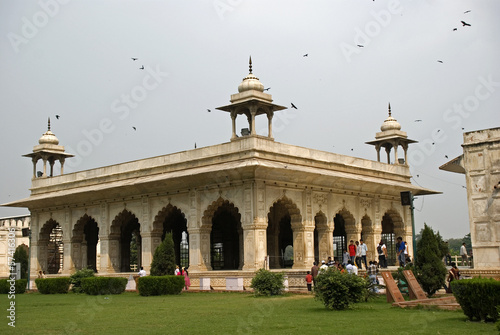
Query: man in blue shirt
[[401, 251]]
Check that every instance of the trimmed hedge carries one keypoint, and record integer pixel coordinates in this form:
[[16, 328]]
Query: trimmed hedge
[[103, 285], [160, 285], [478, 297], [268, 283], [53, 285], [20, 286]]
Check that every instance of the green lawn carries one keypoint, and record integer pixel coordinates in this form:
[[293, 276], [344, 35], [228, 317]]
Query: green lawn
[[222, 313]]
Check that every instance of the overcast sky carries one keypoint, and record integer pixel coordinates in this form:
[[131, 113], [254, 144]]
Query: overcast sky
[[73, 59]]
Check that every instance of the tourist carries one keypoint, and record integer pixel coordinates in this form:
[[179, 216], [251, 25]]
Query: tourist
[[142, 272], [453, 274], [330, 263], [323, 267], [349, 267], [382, 254], [314, 272], [177, 271], [41, 275], [345, 257], [358, 255], [364, 250], [401, 246], [372, 272], [352, 251], [187, 281], [463, 253], [309, 279], [341, 268]]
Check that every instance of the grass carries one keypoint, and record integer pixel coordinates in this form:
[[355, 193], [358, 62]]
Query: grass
[[222, 313]]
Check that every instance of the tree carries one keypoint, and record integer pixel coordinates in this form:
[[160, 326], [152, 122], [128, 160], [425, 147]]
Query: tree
[[431, 271], [21, 256], [164, 258], [443, 246]]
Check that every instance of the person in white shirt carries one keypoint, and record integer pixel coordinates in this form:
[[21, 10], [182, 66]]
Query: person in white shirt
[[323, 267], [363, 250], [142, 273], [351, 268], [358, 255], [463, 253]]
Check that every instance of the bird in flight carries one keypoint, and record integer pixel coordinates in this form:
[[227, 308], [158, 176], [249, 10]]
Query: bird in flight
[[445, 156], [208, 110], [467, 11], [293, 106], [438, 130], [440, 61], [134, 59], [352, 149], [418, 176], [141, 68], [455, 29], [361, 46], [57, 116], [134, 128], [305, 55], [418, 120], [465, 24], [267, 89]]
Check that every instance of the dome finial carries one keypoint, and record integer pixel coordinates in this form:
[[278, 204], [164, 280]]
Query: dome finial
[[250, 64], [49, 124], [390, 109]]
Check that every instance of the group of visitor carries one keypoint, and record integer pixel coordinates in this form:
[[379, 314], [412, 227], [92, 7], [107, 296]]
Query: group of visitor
[[183, 272], [178, 272]]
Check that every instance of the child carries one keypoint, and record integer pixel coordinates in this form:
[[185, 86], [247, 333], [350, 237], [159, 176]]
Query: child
[[309, 279]]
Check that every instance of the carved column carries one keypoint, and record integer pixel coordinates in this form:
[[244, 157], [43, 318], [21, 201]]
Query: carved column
[[233, 123], [325, 237], [270, 124]]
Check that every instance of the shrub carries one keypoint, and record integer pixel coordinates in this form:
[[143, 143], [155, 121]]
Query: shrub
[[430, 270], [53, 285], [339, 290], [268, 283], [400, 279], [21, 256], [20, 286], [103, 285], [160, 285], [77, 277], [478, 297], [163, 263]]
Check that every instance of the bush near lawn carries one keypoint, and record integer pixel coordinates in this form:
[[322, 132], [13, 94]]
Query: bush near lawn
[[20, 286], [478, 297], [339, 290], [103, 285], [268, 283], [76, 279], [160, 285], [53, 285]]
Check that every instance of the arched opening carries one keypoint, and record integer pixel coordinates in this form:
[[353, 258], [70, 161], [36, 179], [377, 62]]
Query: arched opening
[[339, 237], [51, 235], [389, 238], [226, 238], [126, 229], [173, 221], [280, 235], [86, 236]]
